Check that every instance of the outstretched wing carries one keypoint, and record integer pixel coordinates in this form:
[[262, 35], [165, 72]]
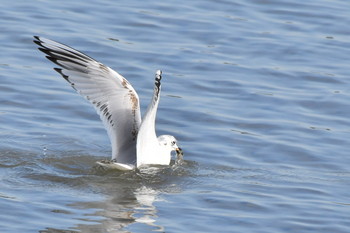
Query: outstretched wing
[[114, 99], [148, 149]]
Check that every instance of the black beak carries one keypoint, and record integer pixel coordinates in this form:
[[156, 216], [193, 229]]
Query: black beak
[[179, 151]]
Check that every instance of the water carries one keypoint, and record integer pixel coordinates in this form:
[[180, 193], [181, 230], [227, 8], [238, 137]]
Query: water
[[256, 92]]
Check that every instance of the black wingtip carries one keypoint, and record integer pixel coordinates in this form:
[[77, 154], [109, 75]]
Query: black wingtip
[[159, 74], [59, 70], [158, 77], [37, 40], [157, 81]]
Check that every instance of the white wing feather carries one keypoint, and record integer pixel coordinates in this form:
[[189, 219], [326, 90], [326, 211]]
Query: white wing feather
[[114, 99], [149, 150]]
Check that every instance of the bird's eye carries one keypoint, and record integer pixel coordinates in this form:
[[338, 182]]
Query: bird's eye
[[173, 143]]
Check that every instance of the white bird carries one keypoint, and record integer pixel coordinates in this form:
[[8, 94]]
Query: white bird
[[134, 142]]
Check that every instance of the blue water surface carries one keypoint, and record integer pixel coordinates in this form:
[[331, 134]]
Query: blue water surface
[[257, 93]]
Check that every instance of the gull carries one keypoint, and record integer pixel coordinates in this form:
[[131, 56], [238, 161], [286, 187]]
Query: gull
[[134, 141]]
